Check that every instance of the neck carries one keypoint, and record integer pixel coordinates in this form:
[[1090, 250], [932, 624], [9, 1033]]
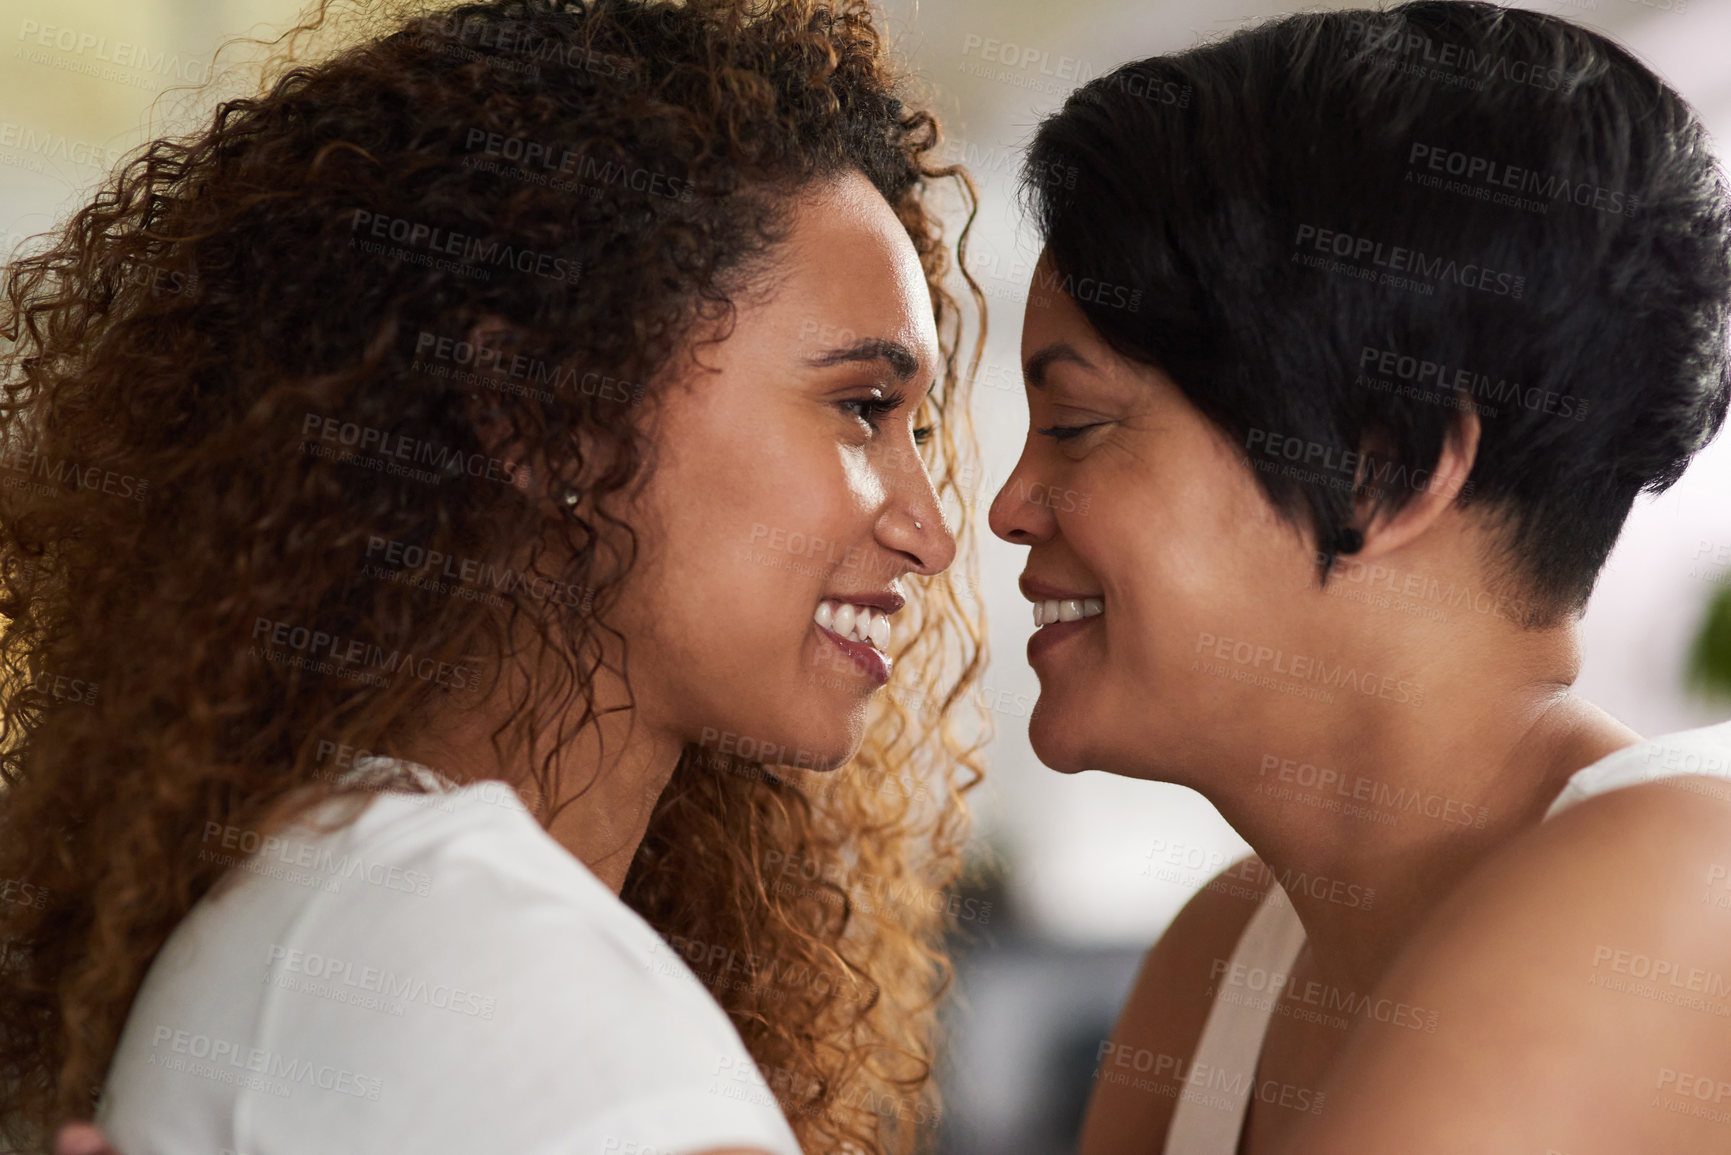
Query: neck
[[1391, 805], [606, 779], [606, 805]]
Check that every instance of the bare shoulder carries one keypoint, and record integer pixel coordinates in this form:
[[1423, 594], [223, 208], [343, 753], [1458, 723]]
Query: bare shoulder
[[1136, 1081], [1581, 979]]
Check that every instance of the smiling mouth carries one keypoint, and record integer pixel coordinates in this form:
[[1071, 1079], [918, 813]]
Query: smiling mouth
[[855, 623], [1066, 610]]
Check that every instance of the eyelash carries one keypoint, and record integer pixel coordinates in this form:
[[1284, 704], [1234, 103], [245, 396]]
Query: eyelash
[[878, 406], [1065, 432]]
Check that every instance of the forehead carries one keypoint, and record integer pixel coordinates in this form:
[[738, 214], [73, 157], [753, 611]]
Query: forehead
[[1050, 313], [850, 272]]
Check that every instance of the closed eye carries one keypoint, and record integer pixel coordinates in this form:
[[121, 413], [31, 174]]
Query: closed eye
[[1064, 432]]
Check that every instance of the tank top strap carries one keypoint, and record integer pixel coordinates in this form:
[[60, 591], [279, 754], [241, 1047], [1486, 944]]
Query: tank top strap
[[1209, 1122], [1704, 750]]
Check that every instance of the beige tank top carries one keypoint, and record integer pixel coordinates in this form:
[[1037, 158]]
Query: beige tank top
[[1209, 1118]]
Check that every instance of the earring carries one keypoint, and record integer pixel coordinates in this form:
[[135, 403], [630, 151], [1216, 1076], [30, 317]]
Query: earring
[[916, 525], [571, 498]]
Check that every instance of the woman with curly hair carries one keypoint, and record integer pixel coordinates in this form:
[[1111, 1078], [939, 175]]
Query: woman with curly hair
[[1367, 329], [458, 504]]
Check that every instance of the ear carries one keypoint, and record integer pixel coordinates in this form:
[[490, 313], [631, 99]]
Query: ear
[[1436, 491], [495, 341]]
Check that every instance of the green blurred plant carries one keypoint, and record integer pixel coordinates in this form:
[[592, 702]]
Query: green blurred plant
[[1710, 656]]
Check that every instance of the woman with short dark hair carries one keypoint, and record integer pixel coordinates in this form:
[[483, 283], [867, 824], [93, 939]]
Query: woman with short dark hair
[[1360, 333]]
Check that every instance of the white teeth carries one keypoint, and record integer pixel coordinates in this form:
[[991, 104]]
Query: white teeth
[[1066, 610], [859, 623]]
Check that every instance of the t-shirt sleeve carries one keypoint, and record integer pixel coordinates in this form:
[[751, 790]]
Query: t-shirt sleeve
[[481, 1006]]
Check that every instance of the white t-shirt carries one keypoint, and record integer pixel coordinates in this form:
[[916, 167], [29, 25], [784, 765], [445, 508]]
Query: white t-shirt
[[438, 976]]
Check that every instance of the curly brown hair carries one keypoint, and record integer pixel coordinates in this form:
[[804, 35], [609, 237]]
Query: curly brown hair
[[169, 352]]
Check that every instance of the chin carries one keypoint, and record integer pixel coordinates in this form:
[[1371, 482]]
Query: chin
[[822, 750], [1054, 744]]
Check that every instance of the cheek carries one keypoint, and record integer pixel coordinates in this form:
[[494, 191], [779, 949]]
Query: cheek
[[1186, 557], [855, 478], [754, 558], [1219, 534]]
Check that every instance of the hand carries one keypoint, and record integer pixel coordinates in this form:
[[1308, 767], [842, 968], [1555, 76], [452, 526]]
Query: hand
[[81, 1139]]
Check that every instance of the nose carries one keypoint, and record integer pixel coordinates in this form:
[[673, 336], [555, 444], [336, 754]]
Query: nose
[[913, 522], [1015, 516]]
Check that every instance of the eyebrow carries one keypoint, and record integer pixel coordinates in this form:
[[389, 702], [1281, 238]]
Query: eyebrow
[[1034, 368], [896, 355]]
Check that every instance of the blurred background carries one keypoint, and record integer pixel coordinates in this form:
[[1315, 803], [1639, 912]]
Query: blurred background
[[1092, 867]]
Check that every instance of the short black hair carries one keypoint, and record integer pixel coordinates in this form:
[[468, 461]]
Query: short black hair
[[1336, 230]]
